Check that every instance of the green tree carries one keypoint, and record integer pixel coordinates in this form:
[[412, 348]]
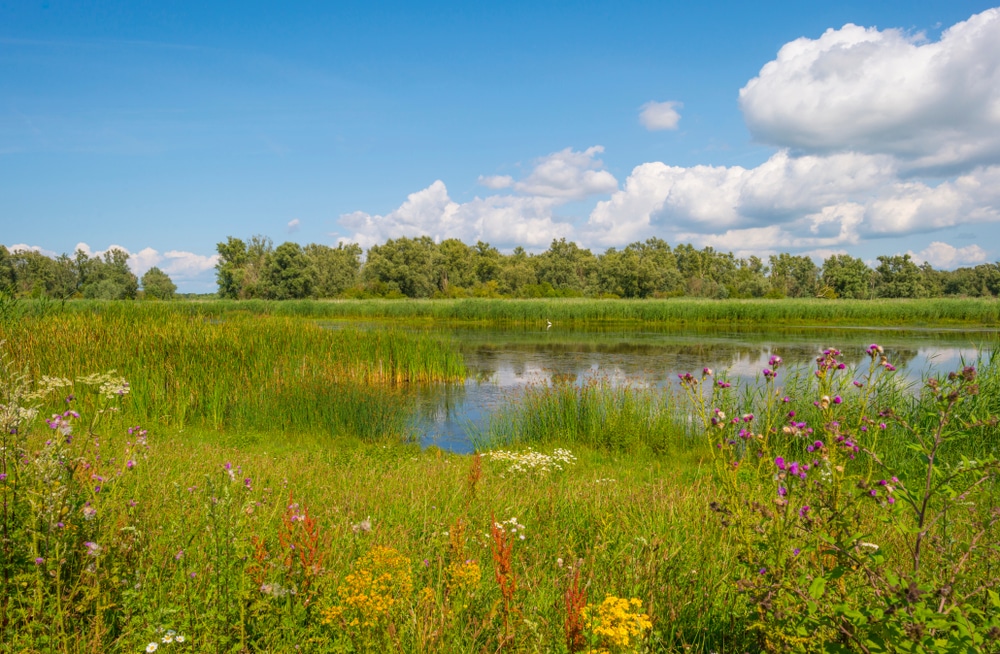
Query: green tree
[[750, 279], [848, 276], [793, 276], [566, 266], [7, 278], [456, 266], [157, 284], [336, 269], [898, 277], [404, 265], [288, 275], [241, 266]]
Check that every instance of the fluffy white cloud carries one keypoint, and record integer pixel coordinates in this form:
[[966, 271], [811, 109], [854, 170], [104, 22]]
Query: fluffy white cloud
[[23, 247], [660, 115], [179, 265], [568, 175], [524, 216], [933, 105], [293, 225], [943, 255]]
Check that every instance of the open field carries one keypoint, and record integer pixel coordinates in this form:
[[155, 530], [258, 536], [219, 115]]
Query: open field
[[253, 489]]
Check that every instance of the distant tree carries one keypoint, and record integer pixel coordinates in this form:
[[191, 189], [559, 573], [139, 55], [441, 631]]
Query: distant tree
[[241, 266], [898, 277], [336, 269], [750, 279], [7, 278], [403, 265], [793, 276], [488, 262], [289, 274], [456, 265], [566, 266], [157, 284], [848, 276], [517, 272]]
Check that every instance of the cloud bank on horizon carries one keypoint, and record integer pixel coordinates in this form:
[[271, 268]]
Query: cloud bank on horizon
[[877, 134]]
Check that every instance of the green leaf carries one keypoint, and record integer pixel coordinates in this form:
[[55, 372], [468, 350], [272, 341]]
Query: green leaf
[[817, 587]]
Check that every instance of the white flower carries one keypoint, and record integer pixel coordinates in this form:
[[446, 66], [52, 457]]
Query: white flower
[[152, 647], [179, 639]]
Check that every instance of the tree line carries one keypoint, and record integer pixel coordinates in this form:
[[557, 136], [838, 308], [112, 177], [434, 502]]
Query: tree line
[[421, 268], [25, 273]]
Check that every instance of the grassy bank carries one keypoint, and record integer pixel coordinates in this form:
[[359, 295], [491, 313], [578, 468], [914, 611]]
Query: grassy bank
[[262, 372], [760, 314]]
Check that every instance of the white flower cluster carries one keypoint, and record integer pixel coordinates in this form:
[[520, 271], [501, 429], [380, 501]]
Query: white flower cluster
[[532, 461], [512, 526], [108, 384], [48, 384]]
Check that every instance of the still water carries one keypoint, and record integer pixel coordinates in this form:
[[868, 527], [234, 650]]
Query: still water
[[503, 363]]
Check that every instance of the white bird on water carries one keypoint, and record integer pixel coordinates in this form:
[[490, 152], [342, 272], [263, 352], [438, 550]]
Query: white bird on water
[[549, 323]]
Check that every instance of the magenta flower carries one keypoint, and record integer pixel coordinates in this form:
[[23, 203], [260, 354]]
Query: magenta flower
[[804, 510]]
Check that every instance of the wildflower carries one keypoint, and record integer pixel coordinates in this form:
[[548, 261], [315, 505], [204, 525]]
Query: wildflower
[[179, 555], [130, 464], [93, 549], [782, 491], [837, 399], [858, 384], [706, 372], [246, 483], [769, 374], [152, 647], [786, 399], [723, 384], [363, 527], [39, 560], [804, 511], [780, 462], [179, 638], [796, 551], [774, 361], [889, 367]]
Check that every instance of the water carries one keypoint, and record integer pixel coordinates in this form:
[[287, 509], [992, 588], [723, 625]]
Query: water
[[502, 363]]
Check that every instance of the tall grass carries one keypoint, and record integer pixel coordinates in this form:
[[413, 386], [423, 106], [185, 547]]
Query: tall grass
[[241, 371], [577, 311]]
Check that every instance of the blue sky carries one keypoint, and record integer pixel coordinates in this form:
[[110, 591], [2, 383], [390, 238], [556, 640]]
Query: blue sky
[[163, 127]]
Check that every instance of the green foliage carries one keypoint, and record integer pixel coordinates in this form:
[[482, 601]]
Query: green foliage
[[848, 276], [897, 276], [157, 285]]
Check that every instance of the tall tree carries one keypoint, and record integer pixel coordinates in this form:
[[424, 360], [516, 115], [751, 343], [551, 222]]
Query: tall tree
[[336, 269], [157, 285], [898, 277], [289, 274], [848, 276]]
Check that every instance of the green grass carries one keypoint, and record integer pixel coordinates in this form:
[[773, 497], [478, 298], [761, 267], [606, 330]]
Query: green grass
[[262, 372], [760, 314]]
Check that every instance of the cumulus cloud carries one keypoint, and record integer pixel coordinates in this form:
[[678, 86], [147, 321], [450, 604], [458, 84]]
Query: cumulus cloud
[[933, 105], [179, 265], [24, 247], [568, 175], [660, 115], [943, 255], [293, 225], [523, 216]]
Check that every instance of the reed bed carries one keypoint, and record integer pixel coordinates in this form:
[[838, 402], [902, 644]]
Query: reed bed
[[758, 313], [266, 372]]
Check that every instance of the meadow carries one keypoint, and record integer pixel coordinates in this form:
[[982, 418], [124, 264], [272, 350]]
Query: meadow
[[244, 481]]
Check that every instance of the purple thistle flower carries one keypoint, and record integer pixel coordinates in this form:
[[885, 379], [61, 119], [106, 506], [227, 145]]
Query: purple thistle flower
[[780, 462], [39, 560], [837, 399], [804, 510], [782, 491]]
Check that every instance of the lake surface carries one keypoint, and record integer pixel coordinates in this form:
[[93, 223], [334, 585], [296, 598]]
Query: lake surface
[[502, 363]]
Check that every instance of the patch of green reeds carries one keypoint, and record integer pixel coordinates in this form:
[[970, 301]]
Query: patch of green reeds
[[596, 414], [241, 370], [758, 313]]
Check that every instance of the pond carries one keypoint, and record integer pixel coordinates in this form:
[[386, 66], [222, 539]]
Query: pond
[[502, 363]]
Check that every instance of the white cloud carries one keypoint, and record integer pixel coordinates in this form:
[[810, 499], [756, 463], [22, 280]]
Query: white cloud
[[569, 175], [524, 216], [933, 105], [188, 265], [943, 255], [660, 115], [23, 247], [293, 225], [496, 181], [179, 265]]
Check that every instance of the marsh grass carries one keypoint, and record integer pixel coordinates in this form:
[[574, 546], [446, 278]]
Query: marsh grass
[[244, 371], [758, 313]]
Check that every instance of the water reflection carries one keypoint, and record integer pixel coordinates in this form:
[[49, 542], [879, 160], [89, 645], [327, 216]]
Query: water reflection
[[503, 363]]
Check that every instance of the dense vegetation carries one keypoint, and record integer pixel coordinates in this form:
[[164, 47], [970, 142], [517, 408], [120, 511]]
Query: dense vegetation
[[421, 268], [245, 482]]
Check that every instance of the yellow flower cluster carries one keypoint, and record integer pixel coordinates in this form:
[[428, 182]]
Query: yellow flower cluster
[[380, 583], [464, 577], [615, 623]]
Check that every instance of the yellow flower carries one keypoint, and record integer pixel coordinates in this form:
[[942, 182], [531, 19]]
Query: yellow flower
[[616, 623], [381, 582]]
